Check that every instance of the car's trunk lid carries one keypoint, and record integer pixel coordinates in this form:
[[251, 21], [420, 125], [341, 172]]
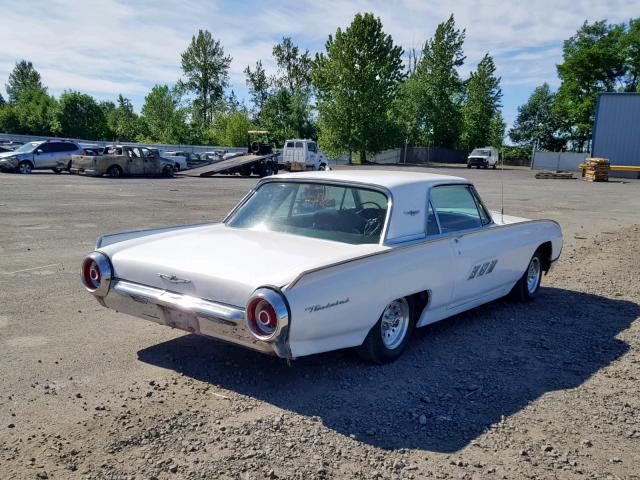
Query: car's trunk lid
[[224, 264]]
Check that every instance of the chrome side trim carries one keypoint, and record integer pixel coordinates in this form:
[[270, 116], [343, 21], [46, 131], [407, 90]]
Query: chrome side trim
[[415, 244], [178, 301]]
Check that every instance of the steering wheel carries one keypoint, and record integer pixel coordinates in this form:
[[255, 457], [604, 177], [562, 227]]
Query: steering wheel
[[372, 203]]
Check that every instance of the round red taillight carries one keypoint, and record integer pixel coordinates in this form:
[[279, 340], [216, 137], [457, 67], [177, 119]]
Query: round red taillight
[[262, 317], [266, 314], [96, 273]]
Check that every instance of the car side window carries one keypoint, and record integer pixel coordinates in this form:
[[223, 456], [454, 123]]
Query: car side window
[[455, 207], [432, 222], [311, 147], [46, 147]]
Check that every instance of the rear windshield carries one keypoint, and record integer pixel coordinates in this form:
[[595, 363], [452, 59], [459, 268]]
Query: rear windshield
[[340, 213], [481, 152]]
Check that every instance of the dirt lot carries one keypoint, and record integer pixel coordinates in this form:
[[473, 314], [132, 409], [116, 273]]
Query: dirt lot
[[544, 390]]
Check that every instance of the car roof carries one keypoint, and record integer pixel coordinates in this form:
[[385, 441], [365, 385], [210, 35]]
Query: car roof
[[390, 179]]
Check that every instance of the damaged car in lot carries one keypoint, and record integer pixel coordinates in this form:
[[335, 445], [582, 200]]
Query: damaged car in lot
[[123, 160], [318, 261], [39, 155]]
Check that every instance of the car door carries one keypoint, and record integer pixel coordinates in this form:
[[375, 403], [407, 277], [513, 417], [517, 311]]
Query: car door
[[135, 161], [44, 156], [151, 163], [476, 248]]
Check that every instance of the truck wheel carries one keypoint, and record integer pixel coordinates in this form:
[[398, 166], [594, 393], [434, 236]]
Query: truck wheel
[[468, 165], [245, 171], [266, 170], [389, 336], [322, 167], [25, 167], [527, 287], [114, 171], [167, 171]]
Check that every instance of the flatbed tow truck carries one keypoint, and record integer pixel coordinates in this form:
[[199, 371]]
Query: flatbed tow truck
[[260, 160]]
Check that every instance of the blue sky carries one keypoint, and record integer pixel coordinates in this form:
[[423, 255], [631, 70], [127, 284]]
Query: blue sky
[[115, 46]]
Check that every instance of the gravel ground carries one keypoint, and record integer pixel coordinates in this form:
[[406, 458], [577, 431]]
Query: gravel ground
[[543, 390]]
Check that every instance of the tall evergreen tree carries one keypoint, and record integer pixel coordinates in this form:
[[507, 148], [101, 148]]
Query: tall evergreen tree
[[439, 88], [258, 84], [482, 104], [294, 67], [357, 80], [23, 77], [206, 71]]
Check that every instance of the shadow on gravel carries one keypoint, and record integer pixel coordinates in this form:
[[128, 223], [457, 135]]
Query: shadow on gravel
[[463, 374]]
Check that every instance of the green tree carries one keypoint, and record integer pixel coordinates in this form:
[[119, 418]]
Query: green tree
[[631, 44], [482, 104], [537, 122], [438, 87], [123, 122], [23, 77], [593, 61], [497, 130], [230, 128], [206, 71], [258, 84], [78, 115], [2, 102], [357, 80], [287, 115], [163, 116], [9, 122], [294, 67], [35, 110]]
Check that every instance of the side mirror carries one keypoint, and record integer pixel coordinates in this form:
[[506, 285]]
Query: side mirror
[[39, 151]]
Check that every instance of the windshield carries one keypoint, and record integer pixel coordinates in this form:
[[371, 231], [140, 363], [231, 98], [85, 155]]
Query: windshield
[[482, 153], [343, 214], [27, 147]]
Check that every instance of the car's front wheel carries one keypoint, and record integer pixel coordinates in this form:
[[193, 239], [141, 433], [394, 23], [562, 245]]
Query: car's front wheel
[[25, 167], [389, 336], [114, 171], [527, 287]]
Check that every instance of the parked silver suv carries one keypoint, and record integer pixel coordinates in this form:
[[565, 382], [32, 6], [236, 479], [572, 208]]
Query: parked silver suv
[[40, 155]]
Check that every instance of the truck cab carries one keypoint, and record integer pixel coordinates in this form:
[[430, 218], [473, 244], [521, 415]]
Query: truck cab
[[302, 154], [483, 157]]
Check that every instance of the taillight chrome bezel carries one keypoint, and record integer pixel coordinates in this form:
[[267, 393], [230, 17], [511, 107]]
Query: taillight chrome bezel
[[101, 262], [280, 309]]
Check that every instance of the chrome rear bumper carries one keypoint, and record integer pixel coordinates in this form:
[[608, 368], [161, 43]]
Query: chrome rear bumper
[[187, 313]]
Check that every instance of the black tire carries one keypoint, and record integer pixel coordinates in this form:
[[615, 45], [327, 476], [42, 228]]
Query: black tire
[[374, 349], [526, 289], [322, 167], [494, 166], [245, 171], [25, 167], [167, 171], [69, 166], [114, 171], [266, 170], [486, 166], [468, 165], [57, 170]]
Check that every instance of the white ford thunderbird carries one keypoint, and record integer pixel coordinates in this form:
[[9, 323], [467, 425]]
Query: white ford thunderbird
[[312, 262]]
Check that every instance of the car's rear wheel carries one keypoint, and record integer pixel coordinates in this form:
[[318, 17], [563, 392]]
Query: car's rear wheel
[[389, 336], [114, 171], [25, 167], [527, 287], [266, 170]]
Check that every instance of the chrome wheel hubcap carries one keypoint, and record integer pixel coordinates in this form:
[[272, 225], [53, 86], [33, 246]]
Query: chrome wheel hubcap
[[25, 168], [533, 275], [395, 323]]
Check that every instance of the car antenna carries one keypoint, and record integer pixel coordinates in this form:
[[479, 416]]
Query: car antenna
[[502, 188]]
